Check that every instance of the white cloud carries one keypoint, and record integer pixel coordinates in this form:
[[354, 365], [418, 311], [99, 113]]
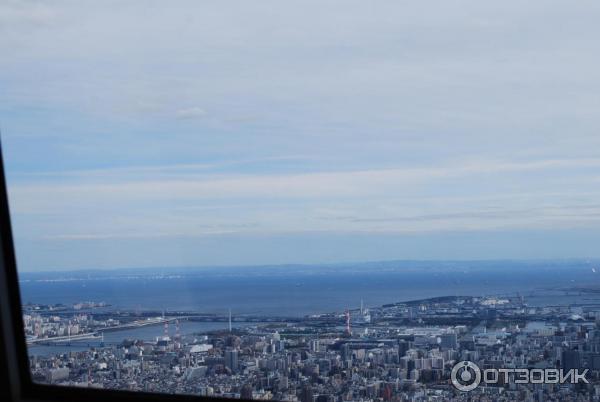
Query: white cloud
[[17, 14], [319, 185], [190, 113], [402, 108], [378, 201]]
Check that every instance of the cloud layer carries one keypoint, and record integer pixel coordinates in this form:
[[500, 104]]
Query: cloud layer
[[135, 123]]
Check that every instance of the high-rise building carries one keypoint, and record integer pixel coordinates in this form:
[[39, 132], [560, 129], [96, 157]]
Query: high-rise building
[[448, 341], [306, 395], [346, 352], [403, 346], [571, 359], [246, 392], [231, 359], [283, 383], [595, 361]]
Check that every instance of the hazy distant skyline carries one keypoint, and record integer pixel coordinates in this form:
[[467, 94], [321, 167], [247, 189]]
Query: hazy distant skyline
[[230, 133]]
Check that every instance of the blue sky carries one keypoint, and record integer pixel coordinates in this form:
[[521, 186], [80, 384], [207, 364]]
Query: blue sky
[[235, 132]]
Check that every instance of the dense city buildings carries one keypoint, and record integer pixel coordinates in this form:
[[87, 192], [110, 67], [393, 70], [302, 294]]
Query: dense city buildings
[[395, 352]]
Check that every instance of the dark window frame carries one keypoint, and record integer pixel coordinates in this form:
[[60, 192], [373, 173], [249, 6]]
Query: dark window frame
[[17, 383]]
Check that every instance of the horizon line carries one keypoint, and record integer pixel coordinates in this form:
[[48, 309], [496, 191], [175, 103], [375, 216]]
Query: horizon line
[[312, 265]]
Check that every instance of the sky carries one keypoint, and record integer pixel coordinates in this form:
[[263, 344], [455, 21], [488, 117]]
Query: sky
[[186, 133]]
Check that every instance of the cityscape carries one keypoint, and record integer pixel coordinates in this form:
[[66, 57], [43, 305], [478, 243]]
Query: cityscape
[[394, 352]]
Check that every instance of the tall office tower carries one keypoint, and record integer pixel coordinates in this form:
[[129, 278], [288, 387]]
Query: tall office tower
[[246, 392], [571, 359], [403, 347], [231, 359], [283, 383], [346, 352], [387, 392], [595, 361], [306, 395]]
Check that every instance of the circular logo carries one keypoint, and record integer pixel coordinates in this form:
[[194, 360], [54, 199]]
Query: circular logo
[[465, 376]]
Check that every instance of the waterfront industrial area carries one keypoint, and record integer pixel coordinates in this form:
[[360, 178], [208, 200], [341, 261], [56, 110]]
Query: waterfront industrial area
[[395, 352]]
